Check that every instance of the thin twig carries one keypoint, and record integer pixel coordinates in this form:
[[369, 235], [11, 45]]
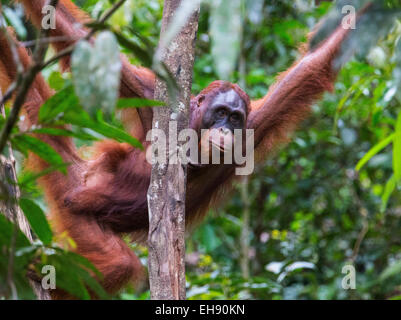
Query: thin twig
[[27, 44], [361, 236]]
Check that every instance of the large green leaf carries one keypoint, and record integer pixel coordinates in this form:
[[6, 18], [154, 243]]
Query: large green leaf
[[74, 274], [71, 112], [107, 130], [42, 149], [37, 220], [61, 102], [6, 231]]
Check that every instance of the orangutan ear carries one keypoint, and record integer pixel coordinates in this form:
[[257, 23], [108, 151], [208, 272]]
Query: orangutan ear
[[200, 99]]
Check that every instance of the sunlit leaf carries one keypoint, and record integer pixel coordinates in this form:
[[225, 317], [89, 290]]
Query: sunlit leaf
[[42, 149], [109, 131], [37, 220], [65, 107], [62, 101]]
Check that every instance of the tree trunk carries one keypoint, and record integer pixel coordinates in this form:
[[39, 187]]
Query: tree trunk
[[9, 207], [166, 195], [245, 231]]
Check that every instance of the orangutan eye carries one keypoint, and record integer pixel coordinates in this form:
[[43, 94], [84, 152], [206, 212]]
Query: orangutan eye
[[235, 118], [221, 113]]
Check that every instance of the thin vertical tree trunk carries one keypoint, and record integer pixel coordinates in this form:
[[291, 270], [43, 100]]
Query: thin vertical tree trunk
[[9, 207], [245, 231], [244, 187], [166, 195]]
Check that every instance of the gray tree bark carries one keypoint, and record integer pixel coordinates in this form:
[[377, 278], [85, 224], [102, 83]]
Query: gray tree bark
[[166, 194], [9, 207]]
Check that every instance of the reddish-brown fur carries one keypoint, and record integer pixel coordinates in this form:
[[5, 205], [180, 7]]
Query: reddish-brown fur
[[104, 198]]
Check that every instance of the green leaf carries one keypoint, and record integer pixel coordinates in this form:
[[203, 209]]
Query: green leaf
[[56, 81], [83, 271], [37, 220], [373, 151], [74, 114], [397, 149], [64, 132], [356, 89], [74, 274], [6, 231], [67, 278], [61, 102], [109, 131], [388, 190], [390, 271], [28, 177], [138, 103], [42, 149]]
